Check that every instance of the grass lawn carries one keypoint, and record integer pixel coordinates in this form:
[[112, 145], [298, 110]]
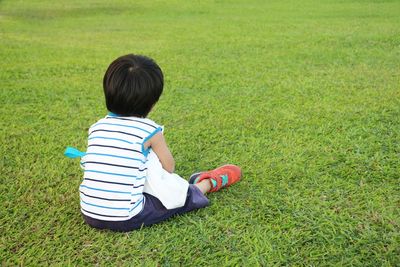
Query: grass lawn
[[303, 95]]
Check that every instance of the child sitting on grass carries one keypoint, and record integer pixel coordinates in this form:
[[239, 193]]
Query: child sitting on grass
[[122, 189]]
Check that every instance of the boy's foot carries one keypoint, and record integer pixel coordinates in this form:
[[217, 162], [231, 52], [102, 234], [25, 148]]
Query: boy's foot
[[221, 177]]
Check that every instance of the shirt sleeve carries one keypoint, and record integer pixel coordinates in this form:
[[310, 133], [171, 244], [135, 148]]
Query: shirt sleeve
[[156, 129]]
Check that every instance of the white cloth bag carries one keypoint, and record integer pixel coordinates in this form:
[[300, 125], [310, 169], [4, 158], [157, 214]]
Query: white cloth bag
[[169, 188]]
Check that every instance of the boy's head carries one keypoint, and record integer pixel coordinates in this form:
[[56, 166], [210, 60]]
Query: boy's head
[[132, 85]]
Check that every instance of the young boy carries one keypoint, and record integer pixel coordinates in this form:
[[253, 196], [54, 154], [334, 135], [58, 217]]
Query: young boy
[[116, 164]]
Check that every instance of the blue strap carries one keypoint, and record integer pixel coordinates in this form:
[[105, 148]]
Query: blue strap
[[72, 153], [224, 180]]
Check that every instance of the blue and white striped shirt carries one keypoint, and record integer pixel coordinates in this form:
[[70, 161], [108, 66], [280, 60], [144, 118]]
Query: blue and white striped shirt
[[114, 167]]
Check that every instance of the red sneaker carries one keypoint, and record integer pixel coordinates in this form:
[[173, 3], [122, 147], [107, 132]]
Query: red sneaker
[[221, 177]]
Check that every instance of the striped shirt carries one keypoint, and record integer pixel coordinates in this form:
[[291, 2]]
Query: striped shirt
[[115, 167]]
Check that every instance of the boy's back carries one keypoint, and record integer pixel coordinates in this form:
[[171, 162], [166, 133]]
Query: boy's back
[[114, 167]]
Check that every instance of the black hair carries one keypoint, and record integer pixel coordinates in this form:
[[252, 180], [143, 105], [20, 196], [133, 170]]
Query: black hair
[[132, 85]]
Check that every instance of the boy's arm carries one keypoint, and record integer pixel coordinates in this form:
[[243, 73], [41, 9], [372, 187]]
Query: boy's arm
[[160, 147]]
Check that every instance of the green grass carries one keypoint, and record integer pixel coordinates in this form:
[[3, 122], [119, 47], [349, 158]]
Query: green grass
[[303, 95]]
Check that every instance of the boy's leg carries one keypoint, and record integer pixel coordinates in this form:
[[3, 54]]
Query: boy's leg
[[204, 186], [155, 212]]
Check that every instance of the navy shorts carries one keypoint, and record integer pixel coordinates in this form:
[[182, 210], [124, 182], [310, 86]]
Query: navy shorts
[[153, 212]]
